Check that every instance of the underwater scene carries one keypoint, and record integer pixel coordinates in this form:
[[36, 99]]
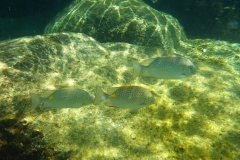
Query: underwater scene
[[120, 80]]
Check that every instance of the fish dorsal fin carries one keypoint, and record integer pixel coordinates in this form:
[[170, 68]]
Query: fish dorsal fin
[[172, 55], [111, 90], [146, 62], [47, 93]]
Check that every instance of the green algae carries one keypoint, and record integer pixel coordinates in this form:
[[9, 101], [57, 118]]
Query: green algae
[[193, 118], [130, 21], [21, 141]]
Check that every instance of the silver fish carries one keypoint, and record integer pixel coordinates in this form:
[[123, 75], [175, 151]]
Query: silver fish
[[169, 67], [66, 98], [125, 97]]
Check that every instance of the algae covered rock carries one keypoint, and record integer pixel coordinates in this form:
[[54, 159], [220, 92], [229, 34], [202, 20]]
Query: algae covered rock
[[35, 64], [194, 118], [130, 21], [28, 64]]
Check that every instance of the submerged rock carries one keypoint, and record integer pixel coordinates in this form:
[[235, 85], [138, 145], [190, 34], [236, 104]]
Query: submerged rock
[[30, 63], [196, 117], [130, 21]]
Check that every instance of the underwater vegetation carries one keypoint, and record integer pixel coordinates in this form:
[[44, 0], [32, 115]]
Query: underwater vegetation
[[187, 115], [19, 140]]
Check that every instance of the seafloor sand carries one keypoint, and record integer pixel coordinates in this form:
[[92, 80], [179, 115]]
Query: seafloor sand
[[193, 118]]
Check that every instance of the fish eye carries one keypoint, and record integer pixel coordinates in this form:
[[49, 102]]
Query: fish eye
[[151, 99], [190, 67], [90, 98]]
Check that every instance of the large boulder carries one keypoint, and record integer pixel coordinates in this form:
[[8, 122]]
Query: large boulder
[[192, 118], [130, 21]]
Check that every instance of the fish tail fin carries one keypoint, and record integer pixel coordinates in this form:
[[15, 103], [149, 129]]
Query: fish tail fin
[[36, 100], [100, 95], [137, 68]]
